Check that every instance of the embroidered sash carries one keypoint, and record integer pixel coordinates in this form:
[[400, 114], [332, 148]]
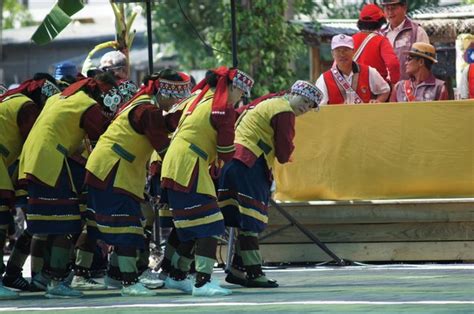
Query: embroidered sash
[[409, 90], [345, 86]]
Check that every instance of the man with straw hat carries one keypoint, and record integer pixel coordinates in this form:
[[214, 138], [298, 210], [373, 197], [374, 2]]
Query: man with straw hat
[[422, 85]]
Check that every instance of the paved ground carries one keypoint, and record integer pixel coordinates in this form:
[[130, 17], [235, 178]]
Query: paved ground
[[354, 289]]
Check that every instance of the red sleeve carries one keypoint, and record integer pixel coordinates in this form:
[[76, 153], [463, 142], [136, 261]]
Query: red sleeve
[[27, 116], [172, 120], [391, 60], [283, 125], [224, 125], [148, 120], [94, 122]]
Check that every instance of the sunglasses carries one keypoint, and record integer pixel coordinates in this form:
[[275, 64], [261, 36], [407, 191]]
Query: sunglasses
[[409, 58]]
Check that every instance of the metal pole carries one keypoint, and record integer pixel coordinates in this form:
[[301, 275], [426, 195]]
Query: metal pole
[[150, 36], [235, 61], [230, 250], [339, 261]]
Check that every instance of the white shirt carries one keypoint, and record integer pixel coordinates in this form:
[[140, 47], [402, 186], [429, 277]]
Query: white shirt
[[421, 35], [376, 83], [464, 84]]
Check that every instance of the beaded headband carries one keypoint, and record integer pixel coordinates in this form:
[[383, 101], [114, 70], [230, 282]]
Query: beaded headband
[[307, 90], [174, 89], [243, 81]]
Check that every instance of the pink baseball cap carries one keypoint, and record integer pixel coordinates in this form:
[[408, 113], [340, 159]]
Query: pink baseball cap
[[342, 40]]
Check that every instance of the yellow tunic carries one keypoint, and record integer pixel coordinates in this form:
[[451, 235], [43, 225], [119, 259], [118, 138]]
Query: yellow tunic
[[254, 130], [55, 136], [123, 145], [10, 137], [194, 142]]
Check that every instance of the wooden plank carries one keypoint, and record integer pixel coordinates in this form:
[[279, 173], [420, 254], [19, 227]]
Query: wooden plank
[[371, 252], [374, 213], [394, 232]]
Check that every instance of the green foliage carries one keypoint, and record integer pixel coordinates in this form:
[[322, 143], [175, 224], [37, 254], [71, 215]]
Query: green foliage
[[172, 27], [267, 43], [419, 4], [15, 15], [56, 20]]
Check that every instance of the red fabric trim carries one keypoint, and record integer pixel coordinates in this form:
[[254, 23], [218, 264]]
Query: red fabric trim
[[194, 211], [252, 202], [219, 102], [32, 178], [89, 83], [231, 194], [245, 155], [97, 183], [168, 183], [55, 201], [25, 88], [470, 80], [92, 180]]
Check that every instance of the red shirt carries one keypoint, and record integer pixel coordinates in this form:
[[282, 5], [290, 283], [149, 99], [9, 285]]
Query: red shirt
[[26, 117]]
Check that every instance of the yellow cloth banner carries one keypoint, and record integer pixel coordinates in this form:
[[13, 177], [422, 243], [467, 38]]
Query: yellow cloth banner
[[381, 151]]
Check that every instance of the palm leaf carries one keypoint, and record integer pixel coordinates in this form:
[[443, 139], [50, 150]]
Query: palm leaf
[[70, 7], [56, 21]]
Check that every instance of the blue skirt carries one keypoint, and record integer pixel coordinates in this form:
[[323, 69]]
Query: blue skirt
[[195, 215], [115, 218], [6, 217], [243, 195], [53, 210]]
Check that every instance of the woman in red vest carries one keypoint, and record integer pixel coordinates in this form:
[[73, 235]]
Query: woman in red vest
[[374, 49]]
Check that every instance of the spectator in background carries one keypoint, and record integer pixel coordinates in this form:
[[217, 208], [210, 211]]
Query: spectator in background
[[373, 49], [348, 82], [115, 62], [401, 31], [422, 85], [65, 73], [466, 87]]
